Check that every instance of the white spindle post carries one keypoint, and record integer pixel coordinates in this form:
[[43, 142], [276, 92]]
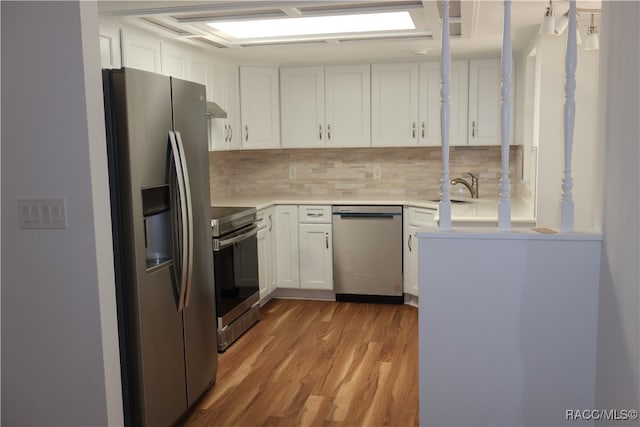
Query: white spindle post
[[504, 205], [445, 67], [566, 221]]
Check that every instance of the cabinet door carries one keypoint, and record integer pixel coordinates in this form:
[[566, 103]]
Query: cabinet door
[[484, 102], [109, 45], [348, 105], [302, 107], [431, 102], [174, 60], [286, 242], [263, 263], [316, 256], [140, 51], [394, 104], [225, 133], [198, 70], [259, 110], [271, 247], [411, 260]]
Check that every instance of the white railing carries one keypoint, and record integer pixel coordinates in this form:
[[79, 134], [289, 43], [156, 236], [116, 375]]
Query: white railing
[[504, 204], [445, 69], [566, 221]]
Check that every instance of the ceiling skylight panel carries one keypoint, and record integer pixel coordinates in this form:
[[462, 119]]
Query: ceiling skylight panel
[[313, 25]]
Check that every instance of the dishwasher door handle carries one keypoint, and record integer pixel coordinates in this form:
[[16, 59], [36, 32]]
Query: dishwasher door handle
[[371, 215]]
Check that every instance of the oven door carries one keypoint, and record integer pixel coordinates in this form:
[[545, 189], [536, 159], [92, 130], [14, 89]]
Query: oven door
[[235, 269]]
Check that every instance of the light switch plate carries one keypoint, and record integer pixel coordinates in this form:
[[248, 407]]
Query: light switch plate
[[42, 213]]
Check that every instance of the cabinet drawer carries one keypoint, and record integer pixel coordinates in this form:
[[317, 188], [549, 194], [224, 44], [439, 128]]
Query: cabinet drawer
[[318, 214], [422, 217]]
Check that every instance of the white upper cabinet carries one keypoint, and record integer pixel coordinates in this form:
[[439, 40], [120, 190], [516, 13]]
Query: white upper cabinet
[[431, 101], [348, 105], [140, 51], [259, 107], [325, 106], [174, 60], [484, 102], [394, 104], [226, 93], [109, 37], [302, 107]]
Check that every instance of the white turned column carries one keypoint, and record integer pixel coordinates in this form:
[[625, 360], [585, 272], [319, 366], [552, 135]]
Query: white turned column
[[566, 221], [445, 68], [504, 205]]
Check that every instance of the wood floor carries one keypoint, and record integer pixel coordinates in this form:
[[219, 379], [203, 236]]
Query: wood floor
[[318, 363]]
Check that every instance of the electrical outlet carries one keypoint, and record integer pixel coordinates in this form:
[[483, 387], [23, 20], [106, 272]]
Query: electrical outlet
[[292, 172], [377, 171]]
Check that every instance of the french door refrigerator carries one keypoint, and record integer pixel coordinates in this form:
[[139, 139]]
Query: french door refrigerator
[[159, 188]]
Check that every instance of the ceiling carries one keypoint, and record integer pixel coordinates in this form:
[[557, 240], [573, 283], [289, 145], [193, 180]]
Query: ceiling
[[475, 27]]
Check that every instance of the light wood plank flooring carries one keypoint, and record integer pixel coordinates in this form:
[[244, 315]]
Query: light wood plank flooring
[[318, 363]]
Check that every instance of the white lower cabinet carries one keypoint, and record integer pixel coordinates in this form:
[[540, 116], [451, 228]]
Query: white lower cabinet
[[414, 218], [286, 241], [304, 247], [316, 256], [411, 260], [266, 252]]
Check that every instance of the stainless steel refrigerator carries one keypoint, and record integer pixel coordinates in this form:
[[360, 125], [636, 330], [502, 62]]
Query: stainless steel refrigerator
[[159, 185]]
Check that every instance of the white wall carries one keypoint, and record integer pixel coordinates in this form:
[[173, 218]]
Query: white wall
[[58, 311], [551, 52], [618, 360], [508, 327]]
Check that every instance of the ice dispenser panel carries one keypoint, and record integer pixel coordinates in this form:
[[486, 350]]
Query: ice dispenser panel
[[156, 210]]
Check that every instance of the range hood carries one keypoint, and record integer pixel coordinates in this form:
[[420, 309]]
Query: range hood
[[214, 111]]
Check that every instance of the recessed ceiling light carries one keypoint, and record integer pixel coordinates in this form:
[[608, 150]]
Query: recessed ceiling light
[[313, 25]]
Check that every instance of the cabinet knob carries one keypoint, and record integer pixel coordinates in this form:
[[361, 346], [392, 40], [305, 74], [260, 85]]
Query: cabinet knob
[[413, 130], [320, 131], [473, 129], [423, 126], [246, 132], [328, 131]]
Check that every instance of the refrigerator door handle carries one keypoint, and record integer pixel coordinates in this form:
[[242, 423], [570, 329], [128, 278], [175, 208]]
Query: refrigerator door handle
[[187, 185], [177, 162]]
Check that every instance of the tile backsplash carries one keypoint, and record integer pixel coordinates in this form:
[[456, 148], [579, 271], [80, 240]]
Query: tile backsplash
[[412, 172]]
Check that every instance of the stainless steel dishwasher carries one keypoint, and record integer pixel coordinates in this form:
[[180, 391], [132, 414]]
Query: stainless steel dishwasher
[[367, 253]]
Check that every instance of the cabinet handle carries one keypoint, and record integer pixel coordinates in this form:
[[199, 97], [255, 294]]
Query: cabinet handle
[[226, 133], [230, 133], [314, 214], [409, 242], [246, 132], [328, 131], [320, 131], [326, 239], [413, 130], [270, 222], [473, 129], [423, 129]]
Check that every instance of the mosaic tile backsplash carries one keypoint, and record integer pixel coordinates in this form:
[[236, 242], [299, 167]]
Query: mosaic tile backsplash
[[408, 172]]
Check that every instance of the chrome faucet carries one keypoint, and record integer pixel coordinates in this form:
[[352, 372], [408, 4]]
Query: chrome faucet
[[473, 187]]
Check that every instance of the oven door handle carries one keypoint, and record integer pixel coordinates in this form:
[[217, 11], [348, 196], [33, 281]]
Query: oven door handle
[[220, 244]]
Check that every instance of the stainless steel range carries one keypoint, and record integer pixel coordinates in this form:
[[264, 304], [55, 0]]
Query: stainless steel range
[[235, 269]]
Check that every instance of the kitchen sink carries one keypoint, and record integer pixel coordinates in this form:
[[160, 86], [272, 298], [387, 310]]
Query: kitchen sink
[[453, 201]]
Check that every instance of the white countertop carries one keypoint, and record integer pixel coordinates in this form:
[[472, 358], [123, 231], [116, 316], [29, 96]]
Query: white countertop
[[473, 211]]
